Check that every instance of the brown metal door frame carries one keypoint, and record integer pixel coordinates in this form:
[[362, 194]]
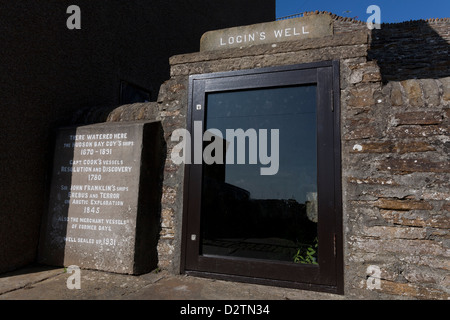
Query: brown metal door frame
[[328, 276]]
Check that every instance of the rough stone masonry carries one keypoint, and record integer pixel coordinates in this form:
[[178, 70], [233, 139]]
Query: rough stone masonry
[[395, 121]]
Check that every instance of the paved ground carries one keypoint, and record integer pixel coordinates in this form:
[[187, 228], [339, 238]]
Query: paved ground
[[169, 296], [45, 283]]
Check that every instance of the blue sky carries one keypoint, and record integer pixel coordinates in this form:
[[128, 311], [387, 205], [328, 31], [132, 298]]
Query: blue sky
[[391, 10]]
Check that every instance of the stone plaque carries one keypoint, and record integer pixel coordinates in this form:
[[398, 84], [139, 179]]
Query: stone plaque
[[105, 198], [313, 26]]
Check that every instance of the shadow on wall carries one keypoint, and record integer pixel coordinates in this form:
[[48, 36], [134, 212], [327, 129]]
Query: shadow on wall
[[49, 72], [412, 50]]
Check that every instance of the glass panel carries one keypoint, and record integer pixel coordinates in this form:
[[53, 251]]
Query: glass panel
[[246, 211]]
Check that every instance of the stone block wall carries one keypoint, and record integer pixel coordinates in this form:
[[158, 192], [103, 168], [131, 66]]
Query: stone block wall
[[396, 172], [172, 103], [395, 155], [396, 162], [170, 109]]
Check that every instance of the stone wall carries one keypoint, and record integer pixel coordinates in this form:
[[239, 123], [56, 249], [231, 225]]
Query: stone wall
[[395, 152], [396, 170], [171, 109], [396, 165]]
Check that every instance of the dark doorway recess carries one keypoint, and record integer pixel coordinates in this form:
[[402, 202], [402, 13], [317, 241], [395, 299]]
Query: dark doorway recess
[[264, 204]]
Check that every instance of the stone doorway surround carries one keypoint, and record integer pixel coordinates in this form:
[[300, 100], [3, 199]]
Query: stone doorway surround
[[395, 117]]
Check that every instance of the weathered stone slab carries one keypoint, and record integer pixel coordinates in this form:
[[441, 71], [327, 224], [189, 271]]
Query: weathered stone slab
[[272, 32], [105, 198]]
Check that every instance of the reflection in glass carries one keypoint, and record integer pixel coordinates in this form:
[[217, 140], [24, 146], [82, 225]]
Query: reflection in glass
[[246, 214]]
